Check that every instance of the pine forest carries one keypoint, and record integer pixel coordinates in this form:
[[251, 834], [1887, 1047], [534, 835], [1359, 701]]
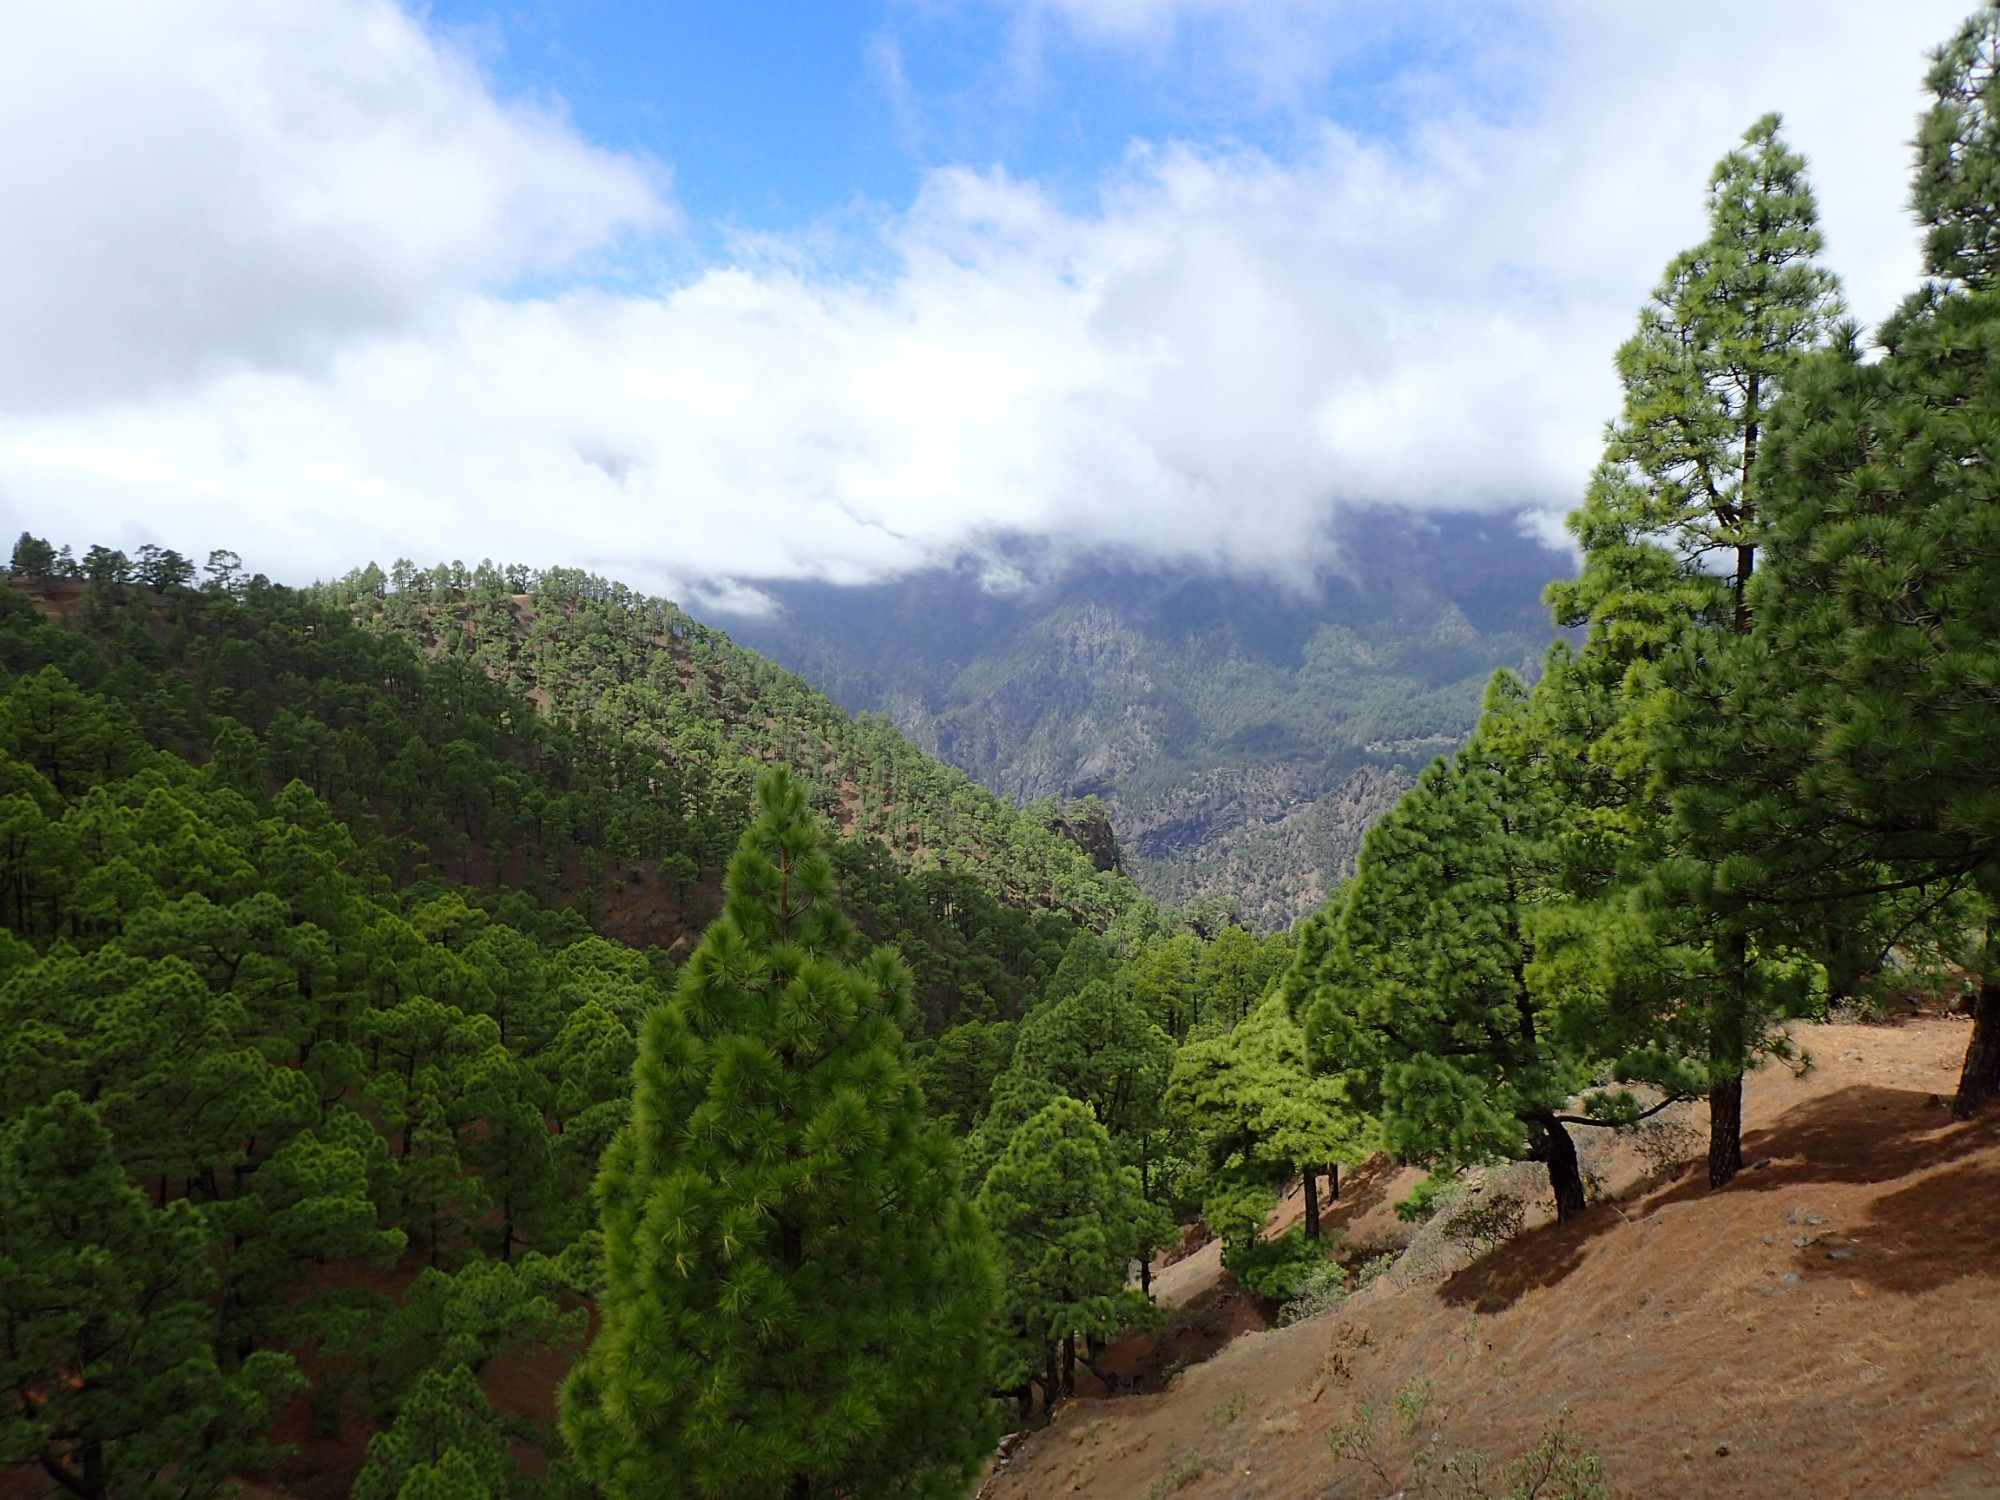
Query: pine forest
[[479, 1031]]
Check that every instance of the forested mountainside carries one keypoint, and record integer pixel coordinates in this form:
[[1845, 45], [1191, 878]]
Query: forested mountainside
[[327, 955], [1241, 734], [447, 772], [653, 688]]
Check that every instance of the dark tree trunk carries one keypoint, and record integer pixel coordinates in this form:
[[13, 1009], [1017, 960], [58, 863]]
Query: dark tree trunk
[[802, 1487], [1333, 1182], [1146, 1192], [1069, 1365], [1979, 1079], [1558, 1154], [1312, 1203], [1725, 1130], [1726, 1047]]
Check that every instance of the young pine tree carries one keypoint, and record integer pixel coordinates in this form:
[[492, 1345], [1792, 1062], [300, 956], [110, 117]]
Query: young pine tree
[[1420, 1005], [1266, 1114], [796, 1295], [1069, 1220]]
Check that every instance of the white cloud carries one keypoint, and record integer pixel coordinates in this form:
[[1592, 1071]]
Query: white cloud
[[191, 184], [1204, 366]]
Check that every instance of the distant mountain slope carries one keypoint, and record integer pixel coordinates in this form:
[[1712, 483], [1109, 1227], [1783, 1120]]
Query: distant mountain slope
[[1242, 736]]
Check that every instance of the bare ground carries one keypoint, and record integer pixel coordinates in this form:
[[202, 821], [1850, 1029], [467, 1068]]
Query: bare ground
[[1828, 1325]]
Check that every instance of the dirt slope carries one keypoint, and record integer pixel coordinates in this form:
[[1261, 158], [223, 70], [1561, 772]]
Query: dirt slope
[[1829, 1325]]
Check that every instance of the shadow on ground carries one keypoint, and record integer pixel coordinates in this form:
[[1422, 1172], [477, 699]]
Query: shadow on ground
[[1940, 1226]]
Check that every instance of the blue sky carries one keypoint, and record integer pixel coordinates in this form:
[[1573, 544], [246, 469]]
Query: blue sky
[[778, 114], [701, 294]]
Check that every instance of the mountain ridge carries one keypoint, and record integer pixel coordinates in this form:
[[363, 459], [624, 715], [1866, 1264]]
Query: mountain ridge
[[1241, 734]]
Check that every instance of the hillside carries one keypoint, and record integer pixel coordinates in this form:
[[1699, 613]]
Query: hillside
[[1242, 734], [325, 948], [1824, 1326]]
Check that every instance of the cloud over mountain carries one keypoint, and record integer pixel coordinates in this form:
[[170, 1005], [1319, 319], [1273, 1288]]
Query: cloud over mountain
[[272, 295]]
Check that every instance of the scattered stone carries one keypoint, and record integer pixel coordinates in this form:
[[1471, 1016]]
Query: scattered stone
[[1813, 1221], [1841, 1254], [1790, 1278], [1770, 1239], [1804, 1240], [1722, 1450], [1760, 1163]]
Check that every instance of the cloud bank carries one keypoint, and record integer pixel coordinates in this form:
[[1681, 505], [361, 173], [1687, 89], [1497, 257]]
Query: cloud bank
[[270, 297]]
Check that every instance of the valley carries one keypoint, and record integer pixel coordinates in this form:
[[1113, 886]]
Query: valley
[[1241, 733]]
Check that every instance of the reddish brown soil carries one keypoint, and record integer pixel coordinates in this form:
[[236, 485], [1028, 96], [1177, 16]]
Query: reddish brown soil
[[1700, 1347]]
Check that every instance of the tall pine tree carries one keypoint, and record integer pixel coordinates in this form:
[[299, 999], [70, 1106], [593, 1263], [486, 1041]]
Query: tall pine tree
[[1880, 613], [1670, 532], [796, 1295]]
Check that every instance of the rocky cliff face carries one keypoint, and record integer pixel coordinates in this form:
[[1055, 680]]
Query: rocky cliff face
[[1241, 737]]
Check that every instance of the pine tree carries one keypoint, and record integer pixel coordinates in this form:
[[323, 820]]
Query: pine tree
[[33, 557], [1670, 531], [1957, 189], [1069, 1220], [446, 1440], [108, 1379], [1881, 609], [796, 1296], [1096, 1046], [1267, 1115], [1420, 1005]]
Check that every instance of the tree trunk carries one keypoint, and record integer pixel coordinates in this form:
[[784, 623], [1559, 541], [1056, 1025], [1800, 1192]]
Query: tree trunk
[[1333, 1182], [802, 1487], [1565, 1176], [1146, 1192], [1069, 1364], [1979, 1079], [1725, 1130], [1312, 1203], [1725, 1068]]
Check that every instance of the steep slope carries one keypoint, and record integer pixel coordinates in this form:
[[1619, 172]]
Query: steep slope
[[1242, 735], [586, 749], [1824, 1326]]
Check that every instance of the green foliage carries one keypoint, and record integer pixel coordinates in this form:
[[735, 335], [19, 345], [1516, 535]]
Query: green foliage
[[1420, 1006], [1275, 1268], [958, 1068], [954, 875], [109, 1384], [1069, 1221], [1957, 189], [1263, 1115], [795, 1295], [1878, 615], [1655, 930], [446, 1441]]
